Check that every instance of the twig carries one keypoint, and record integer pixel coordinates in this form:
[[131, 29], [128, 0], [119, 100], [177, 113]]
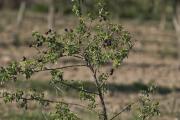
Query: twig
[[78, 56], [58, 68], [123, 110], [57, 88], [49, 101], [71, 86], [45, 117]]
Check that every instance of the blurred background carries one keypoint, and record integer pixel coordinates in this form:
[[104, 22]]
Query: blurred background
[[154, 26]]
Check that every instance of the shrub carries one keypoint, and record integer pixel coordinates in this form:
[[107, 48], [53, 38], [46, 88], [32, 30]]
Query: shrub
[[96, 41]]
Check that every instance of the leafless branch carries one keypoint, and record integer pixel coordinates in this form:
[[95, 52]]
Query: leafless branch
[[59, 68], [76, 88], [123, 110], [50, 101]]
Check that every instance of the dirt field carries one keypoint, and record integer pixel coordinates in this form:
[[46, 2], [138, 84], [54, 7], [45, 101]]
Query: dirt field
[[153, 58]]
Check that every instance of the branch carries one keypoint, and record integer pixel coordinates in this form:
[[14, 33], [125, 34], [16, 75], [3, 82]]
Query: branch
[[75, 56], [49, 101], [78, 56], [101, 97], [86, 91], [123, 110], [57, 88], [54, 101], [59, 68], [48, 69]]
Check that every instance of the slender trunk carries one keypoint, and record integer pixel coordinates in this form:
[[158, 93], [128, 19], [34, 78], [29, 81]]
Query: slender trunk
[[173, 103], [163, 16], [105, 117], [162, 21], [51, 15], [176, 21], [101, 97], [19, 20], [20, 15]]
